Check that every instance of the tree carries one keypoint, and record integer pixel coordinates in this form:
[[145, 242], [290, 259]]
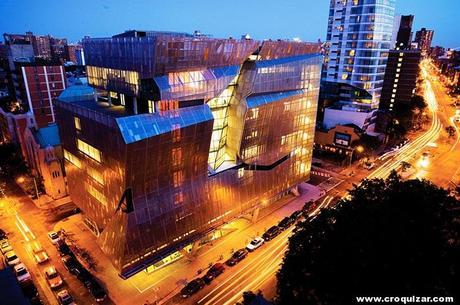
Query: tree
[[405, 166], [390, 237], [450, 131], [369, 143], [418, 103], [11, 162]]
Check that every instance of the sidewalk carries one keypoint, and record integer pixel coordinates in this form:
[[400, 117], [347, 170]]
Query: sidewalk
[[164, 283]]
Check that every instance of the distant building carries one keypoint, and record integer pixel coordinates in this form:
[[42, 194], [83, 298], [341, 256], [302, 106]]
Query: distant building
[[26, 47], [45, 159], [13, 127], [357, 54], [424, 38], [19, 49], [437, 51], [80, 57], [38, 85], [359, 36], [404, 34], [338, 139], [400, 78]]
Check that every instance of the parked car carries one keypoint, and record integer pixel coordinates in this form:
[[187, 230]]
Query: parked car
[[296, 215], [3, 234], [54, 237], [192, 288], [53, 278], [96, 290], [71, 264], [65, 298], [271, 233], [214, 272], [286, 222], [40, 254], [237, 257], [5, 246], [255, 243], [21, 273], [11, 258]]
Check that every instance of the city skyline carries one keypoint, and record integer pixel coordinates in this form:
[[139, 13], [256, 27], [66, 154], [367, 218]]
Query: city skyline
[[85, 18]]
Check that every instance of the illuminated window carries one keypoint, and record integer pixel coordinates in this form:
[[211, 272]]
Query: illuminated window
[[401, 54], [89, 150], [96, 194], [77, 123], [122, 99], [392, 100], [397, 75], [395, 85], [240, 172], [178, 178], [394, 90], [72, 159], [151, 105], [254, 113], [287, 106], [345, 76], [400, 59], [352, 52], [393, 95], [95, 174], [398, 70], [399, 65], [176, 155], [251, 151]]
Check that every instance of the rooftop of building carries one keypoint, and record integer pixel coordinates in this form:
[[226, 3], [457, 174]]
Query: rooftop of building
[[47, 136]]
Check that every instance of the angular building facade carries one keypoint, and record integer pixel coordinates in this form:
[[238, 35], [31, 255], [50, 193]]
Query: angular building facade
[[192, 133]]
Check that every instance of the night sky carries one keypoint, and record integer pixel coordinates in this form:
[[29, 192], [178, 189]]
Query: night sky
[[305, 19]]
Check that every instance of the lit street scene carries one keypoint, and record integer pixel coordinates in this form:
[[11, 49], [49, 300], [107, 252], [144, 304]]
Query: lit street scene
[[207, 153]]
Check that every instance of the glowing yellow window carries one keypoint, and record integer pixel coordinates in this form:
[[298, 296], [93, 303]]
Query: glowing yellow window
[[345, 76], [77, 123]]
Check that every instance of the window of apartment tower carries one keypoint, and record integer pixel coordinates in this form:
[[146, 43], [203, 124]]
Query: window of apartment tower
[[176, 156]]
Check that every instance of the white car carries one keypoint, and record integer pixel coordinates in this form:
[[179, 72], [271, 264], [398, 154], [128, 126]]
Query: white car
[[255, 243], [21, 273], [5, 246], [40, 255], [54, 237], [53, 278], [65, 298], [11, 258]]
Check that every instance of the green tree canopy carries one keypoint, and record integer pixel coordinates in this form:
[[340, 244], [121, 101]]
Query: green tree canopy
[[391, 238]]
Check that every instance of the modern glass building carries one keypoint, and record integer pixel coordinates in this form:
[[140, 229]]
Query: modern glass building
[[180, 134], [359, 34]]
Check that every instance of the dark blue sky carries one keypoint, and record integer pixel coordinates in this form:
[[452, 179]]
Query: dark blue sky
[[261, 19]]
